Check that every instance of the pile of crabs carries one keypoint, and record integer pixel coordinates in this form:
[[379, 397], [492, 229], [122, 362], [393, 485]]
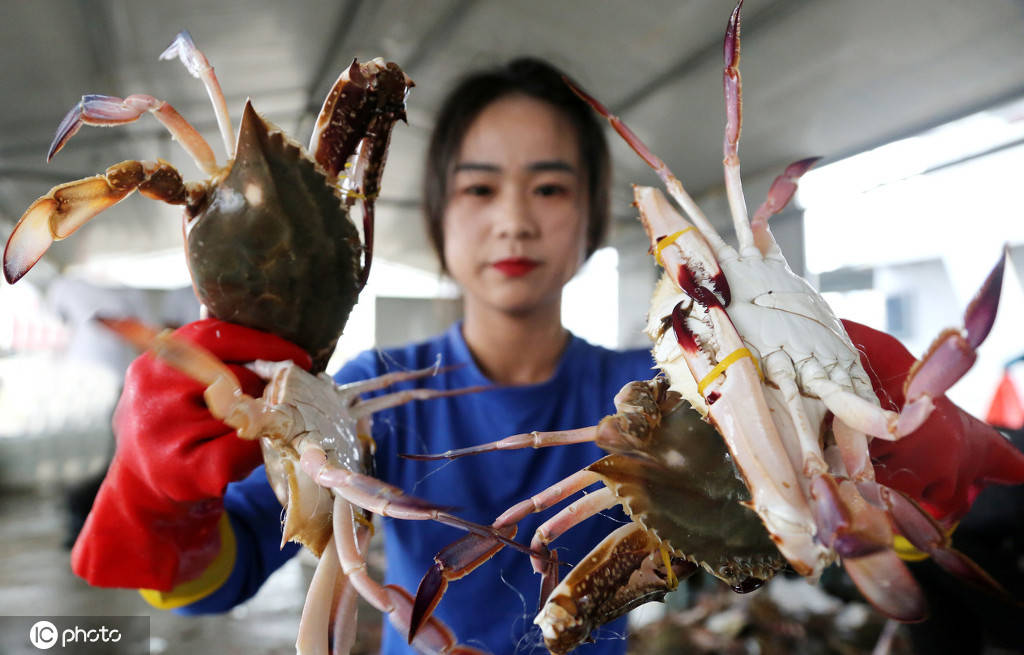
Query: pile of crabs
[[765, 414]]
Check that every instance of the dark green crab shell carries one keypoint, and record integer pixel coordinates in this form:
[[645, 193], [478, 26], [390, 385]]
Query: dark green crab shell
[[677, 479], [273, 247]]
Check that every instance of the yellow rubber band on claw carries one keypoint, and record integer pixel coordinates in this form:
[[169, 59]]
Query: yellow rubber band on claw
[[671, 580], [665, 242], [366, 523], [733, 357], [908, 552]]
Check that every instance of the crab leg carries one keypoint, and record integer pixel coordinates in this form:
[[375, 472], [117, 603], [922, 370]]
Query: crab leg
[[393, 601], [672, 183], [950, 356], [110, 110], [195, 61], [329, 607], [885, 581], [953, 352], [525, 440], [779, 195], [387, 500], [733, 88], [462, 557], [250, 417], [457, 559], [70, 205], [368, 407], [569, 517], [353, 389]]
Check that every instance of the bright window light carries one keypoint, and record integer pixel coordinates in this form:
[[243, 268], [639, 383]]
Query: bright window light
[[951, 196], [590, 302], [952, 193], [165, 269], [388, 279]]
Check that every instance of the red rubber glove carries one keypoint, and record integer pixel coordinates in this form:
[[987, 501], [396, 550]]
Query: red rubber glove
[[945, 463], [155, 520]]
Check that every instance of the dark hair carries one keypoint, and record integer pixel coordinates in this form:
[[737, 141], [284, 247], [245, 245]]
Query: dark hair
[[533, 78]]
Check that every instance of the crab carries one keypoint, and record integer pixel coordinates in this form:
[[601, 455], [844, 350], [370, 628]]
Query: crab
[[246, 224], [271, 246], [752, 350], [315, 440], [671, 473], [758, 352]]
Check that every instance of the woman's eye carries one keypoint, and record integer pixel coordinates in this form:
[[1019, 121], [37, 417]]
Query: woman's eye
[[550, 190], [479, 190]]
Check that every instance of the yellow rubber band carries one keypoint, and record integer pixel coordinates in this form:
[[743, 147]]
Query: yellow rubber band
[[212, 578], [671, 580], [362, 520], [368, 440], [908, 552], [724, 364], [665, 242]]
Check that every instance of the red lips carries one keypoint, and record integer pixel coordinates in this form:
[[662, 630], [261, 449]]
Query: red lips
[[516, 266]]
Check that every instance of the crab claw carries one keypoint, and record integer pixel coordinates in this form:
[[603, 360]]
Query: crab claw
[[691, 263], [846, 522], [454, 561], [944, 464], [953, 352], [926, 535], [53, 217], [887, 584]]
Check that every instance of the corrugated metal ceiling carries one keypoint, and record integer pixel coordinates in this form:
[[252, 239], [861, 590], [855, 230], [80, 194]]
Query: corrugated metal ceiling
[[821, 77]]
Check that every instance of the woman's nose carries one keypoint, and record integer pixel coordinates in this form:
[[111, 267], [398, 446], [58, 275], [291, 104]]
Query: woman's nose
[[514, 218]]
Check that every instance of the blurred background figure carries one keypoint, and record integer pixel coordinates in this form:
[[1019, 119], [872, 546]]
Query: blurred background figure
[[77, 303]]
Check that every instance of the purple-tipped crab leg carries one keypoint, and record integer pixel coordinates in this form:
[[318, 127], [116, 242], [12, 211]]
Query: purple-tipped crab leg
[[779, 195], [110, 110], [195, 61], [953, 352]]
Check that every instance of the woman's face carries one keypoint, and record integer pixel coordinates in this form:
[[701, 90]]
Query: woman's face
[[516, 218]]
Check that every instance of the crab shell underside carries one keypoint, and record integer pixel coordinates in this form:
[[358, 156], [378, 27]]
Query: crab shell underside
[[318, 419]]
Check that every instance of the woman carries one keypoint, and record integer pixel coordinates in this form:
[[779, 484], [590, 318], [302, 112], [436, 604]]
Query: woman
[[516, 198]]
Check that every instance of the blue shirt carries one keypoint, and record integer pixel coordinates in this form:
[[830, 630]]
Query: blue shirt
[[493, 607]]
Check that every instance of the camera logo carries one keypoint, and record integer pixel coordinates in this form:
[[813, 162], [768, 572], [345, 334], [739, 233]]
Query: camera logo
[[43, 635]]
